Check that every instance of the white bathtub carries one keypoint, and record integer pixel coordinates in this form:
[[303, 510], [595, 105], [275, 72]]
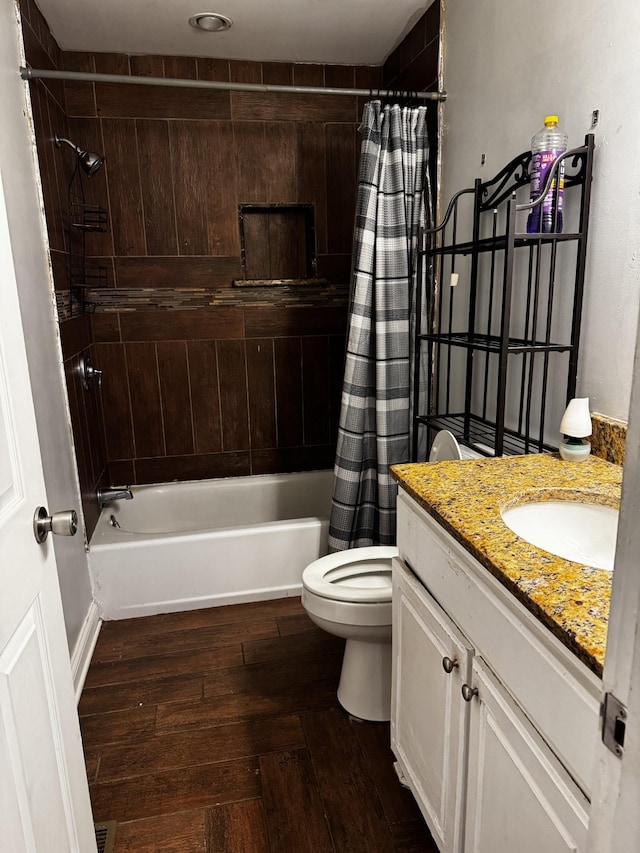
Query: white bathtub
[[183, 546]]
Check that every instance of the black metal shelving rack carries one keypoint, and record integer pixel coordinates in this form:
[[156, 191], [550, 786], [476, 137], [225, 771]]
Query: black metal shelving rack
[[494, 348]]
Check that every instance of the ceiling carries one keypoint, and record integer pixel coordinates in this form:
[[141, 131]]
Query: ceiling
[[353, 32]]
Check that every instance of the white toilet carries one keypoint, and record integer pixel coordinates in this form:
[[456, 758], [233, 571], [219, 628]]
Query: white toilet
[[349, 594]]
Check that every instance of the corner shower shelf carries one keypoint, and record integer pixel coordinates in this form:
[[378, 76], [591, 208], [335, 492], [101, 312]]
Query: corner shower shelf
[[88, 217], [87, 275], [84, 219], [509, 322]]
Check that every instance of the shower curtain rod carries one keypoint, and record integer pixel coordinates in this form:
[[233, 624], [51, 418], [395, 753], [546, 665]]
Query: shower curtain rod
[[88, 77]]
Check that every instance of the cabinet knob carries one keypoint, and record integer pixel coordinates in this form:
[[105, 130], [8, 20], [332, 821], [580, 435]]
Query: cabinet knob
[[449, 665], [468, 692]]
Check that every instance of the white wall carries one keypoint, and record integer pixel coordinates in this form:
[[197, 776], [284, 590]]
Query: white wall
[[28, 243], [507, 65]]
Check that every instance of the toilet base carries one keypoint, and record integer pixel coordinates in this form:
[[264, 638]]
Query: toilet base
[[365, 680]]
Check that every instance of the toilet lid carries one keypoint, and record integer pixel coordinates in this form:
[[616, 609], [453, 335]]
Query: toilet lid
[[444, 447], [356, 575]]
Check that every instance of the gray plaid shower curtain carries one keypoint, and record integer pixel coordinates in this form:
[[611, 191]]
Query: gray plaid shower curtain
[[375, 417]]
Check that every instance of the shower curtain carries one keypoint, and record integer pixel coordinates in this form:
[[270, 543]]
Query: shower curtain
[[394, 199]]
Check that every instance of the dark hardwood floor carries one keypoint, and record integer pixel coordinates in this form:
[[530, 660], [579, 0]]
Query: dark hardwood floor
[[219, 730]]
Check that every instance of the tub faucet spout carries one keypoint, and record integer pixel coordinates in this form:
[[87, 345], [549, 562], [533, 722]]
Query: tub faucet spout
[[106, 496]]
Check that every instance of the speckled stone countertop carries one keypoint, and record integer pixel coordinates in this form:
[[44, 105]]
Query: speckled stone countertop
[[467, 497]]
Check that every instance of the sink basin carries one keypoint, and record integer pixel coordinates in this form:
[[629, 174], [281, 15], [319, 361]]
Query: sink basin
[[584, 533]]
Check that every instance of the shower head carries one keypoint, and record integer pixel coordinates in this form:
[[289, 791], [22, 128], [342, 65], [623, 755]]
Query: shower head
[[89, 161]]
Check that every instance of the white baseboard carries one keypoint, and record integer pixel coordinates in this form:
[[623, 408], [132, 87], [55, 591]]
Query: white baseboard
[[81, 657]]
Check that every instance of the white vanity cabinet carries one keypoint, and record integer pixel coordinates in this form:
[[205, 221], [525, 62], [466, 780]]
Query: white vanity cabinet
[[519, 797], [429, 725], [506, 768]]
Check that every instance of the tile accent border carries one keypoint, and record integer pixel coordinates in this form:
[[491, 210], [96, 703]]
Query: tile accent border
[[608, 438], [134, 299]]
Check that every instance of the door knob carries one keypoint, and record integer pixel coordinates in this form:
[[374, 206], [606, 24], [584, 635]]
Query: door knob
[[61, 523], [449, 665]]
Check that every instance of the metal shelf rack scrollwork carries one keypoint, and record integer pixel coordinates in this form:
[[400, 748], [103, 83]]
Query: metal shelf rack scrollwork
[[498, 312]]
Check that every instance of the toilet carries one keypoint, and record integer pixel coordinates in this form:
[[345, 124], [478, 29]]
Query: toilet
[[348, 594]]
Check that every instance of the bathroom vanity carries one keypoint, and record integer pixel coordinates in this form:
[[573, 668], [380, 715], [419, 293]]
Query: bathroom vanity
[[498, 652]]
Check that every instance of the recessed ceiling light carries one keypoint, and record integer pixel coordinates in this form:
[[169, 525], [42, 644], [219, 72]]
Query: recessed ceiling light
[[210, 21]]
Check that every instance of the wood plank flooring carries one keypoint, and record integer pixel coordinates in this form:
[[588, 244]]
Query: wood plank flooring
[[219, 731]]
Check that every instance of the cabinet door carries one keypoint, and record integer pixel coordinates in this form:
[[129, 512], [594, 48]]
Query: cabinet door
[[429, 719], [519, 797]]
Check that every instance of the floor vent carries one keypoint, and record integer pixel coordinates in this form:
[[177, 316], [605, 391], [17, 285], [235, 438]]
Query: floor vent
[[105, 836]]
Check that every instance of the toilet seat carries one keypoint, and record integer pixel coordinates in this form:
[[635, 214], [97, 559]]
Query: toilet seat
[[445, 448], [358, 575]]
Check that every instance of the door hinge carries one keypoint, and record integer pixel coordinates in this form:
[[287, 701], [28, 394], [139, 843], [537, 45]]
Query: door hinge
[[614, 724]]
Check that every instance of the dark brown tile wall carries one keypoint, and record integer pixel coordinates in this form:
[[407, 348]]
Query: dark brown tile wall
[[414, 62], [257, 392], [208, 391], [250, 386], [50, 118], [413, 65]]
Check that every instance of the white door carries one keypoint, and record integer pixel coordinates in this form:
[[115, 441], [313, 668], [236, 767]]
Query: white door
[[615, 818], [44, 799], [519, 797]]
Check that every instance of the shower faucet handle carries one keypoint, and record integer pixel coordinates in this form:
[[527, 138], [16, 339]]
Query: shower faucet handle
[[88, 373], [94, 375]]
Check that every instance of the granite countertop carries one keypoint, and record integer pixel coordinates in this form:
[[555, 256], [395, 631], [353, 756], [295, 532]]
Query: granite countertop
[[466, 498]]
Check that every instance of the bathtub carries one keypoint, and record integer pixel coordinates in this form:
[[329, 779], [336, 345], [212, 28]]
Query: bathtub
[[183, 546]]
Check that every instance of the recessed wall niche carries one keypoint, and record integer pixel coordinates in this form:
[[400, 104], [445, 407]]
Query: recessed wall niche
[[277, 243]]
